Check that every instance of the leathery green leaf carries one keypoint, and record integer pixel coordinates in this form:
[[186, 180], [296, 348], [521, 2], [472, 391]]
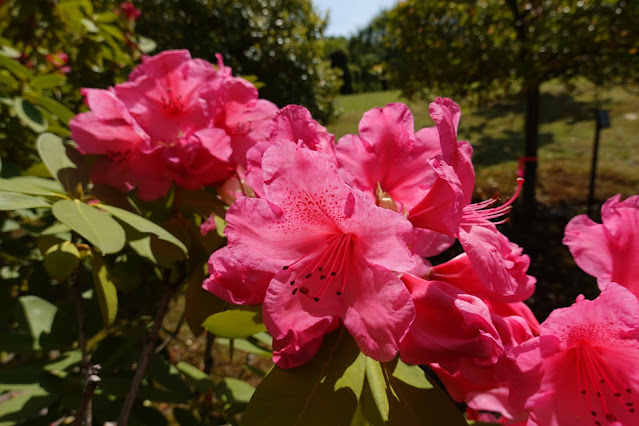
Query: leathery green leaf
[[234, 323], [377, 383], [14, 201], [143, 225], [39, 315], [98, 227], [105, 289], [319, 392], [60, 260]]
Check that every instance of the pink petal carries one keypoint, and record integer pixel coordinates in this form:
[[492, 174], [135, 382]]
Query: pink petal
[[294, 123], [378, 310], [449, 326], [429, 243], [232, 281]]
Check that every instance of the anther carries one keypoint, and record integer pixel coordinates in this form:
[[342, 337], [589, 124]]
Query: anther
[[629, 404], [316, 299], [294, 291], [594, 413], [304, 290], [611, 417], [617, 394], [293, 282], [339, 293], [322, 277], [308, 275], [320, 268], [285, 268], [583, 392], [333, 273]]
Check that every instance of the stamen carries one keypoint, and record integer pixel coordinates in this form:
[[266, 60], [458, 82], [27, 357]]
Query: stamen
[[480, 213]]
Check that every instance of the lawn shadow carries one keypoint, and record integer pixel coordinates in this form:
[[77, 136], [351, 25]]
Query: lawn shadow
[[496, 145]]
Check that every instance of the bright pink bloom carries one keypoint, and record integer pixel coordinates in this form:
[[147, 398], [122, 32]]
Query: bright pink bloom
[[449, 326], [498, 266], [583, 369], [333, 252], [165, 125], [292, 123], [492, 268], [607, 251], [390, 163]]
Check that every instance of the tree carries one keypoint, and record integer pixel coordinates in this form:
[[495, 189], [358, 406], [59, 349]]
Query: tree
[[483, 49], [278, 41]]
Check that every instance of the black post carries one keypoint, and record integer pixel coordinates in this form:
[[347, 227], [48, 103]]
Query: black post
[[602, 119]]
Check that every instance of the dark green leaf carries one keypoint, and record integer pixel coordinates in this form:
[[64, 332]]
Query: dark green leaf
[[15, 68], [196, 377], [8, 81], [23, 405], [30, 115], [39, 315], [234, 323], [163, 373], [14, 201], [96, 226], [320, 392], [105, 289], [63, 113], [200, 304], [143, 225]]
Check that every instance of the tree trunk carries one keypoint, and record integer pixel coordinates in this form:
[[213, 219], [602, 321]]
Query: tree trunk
[[531, 144]]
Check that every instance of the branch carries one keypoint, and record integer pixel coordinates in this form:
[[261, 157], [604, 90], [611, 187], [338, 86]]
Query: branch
[[93, 381], [149, 346]]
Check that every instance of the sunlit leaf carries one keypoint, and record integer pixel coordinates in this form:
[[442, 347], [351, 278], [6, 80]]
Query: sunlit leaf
[[54, 107], [377, 383], [53, 153], [233, 390], [234, 323], [31, 185], [23, 405], [14, 201], [30, 115], [60, 260], [96, 226], [143, 225]]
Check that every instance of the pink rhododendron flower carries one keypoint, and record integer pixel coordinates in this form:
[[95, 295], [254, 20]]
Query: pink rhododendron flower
[[168, 123], [128, 9], [498, 265], [291, 123], [234, 282], [582, 369], [333, 254], [390, 163], [449, 325], [607, 250]]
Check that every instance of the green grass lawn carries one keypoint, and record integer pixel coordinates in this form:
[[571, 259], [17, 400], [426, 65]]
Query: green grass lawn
[[566, 140]]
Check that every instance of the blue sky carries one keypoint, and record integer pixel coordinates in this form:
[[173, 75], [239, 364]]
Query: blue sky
[[347, 16]]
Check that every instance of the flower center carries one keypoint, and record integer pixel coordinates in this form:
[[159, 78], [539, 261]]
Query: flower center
[[314, 272], [598, 382], [171, 103], [481, 213]]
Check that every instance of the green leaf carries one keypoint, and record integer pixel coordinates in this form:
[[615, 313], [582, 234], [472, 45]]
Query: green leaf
[[234, 391], [416, 405], [24, 405], [53, 153], [143, 225], [31, 185], [160, 371], [96, 226], [234, 323], [15, 201], [411, 375], [60, 260], [200, 304], [312, 394], [105, 289], [47, 81], [198, 378], [39, 315], [377, 383], [90, 25], [243, 345], [54, 107], [8, 81], [146, 45], [106, 17], [15, 68], [30, 115]]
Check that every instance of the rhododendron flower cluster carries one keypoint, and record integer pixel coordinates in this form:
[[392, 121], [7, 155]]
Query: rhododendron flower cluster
[[177, 119], [324, 235], [339, 235]]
